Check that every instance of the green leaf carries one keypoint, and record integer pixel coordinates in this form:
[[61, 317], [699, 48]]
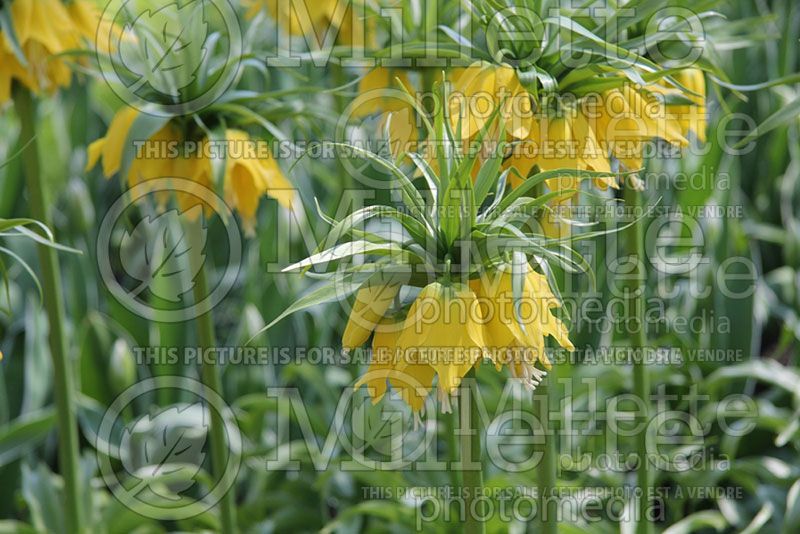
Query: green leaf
[[760, 520], [539, 178], [791, 519], [345, 250], [415, 229], [393, 513], [25, 433], [411, 196], [768, 371], [9, 224], [698, 521], [46, 242], [9, 526], [786, 115], [26, 267], [331, 291], [37, 362], [43, 497]]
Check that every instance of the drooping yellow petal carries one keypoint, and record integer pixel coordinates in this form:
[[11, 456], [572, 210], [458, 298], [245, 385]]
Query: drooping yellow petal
[[314, 20], [154, 161], [94, 152], [383, 359], [413, 380], [46, 22], [242, 191], [496, 296], [370, 305], [537, 290], [654, 116], [516, 329], [115, 138], [517, 112], [472, 99], [478, 90], [444, 327], [250, 173], [277, 185], [692, 118], [194, 171]]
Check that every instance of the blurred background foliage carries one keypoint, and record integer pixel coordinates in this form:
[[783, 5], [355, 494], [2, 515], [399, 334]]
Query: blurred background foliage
[[756, 41]]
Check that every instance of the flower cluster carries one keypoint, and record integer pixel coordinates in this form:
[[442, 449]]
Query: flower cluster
[[248, 175], [586, 133], [450, 328], [42, 31]]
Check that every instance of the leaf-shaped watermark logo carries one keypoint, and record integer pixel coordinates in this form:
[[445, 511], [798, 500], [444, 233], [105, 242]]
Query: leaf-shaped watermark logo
[[382, 430], [150, 267], [165, 46], [159, 254], [165, 451], [170, 58], [154, 462]]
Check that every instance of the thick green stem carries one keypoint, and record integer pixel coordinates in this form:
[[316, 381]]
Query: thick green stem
[[209, 374], [64, 384], [471, 456], [641, 381], [449, 420], [548, 506]]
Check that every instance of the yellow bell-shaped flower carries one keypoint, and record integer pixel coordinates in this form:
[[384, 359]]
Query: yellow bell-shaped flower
[[515, 334], [444, 329], [370, 306]]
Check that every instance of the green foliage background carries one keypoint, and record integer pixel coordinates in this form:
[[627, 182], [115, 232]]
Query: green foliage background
[[765, 182]]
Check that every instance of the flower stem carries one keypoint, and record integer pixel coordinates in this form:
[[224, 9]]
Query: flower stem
[[209, 375], [64, 385], [547, 467], [641, 381], [450, 426], [471, 455]]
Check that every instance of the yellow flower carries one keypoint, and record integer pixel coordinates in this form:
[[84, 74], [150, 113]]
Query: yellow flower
[[408, 376], [626, 118], [89, 22], [566, 142], [442, 336], [525, 329], [689, 117], [653, 115], [518, 339], [250, 170], [617, 128], [44, 29], [619, 123], [250, 174], [152, 161], [450, 328], [478, 90], [378, 92], [376, 88], [444, 329], [10, 70], [370, 306]]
